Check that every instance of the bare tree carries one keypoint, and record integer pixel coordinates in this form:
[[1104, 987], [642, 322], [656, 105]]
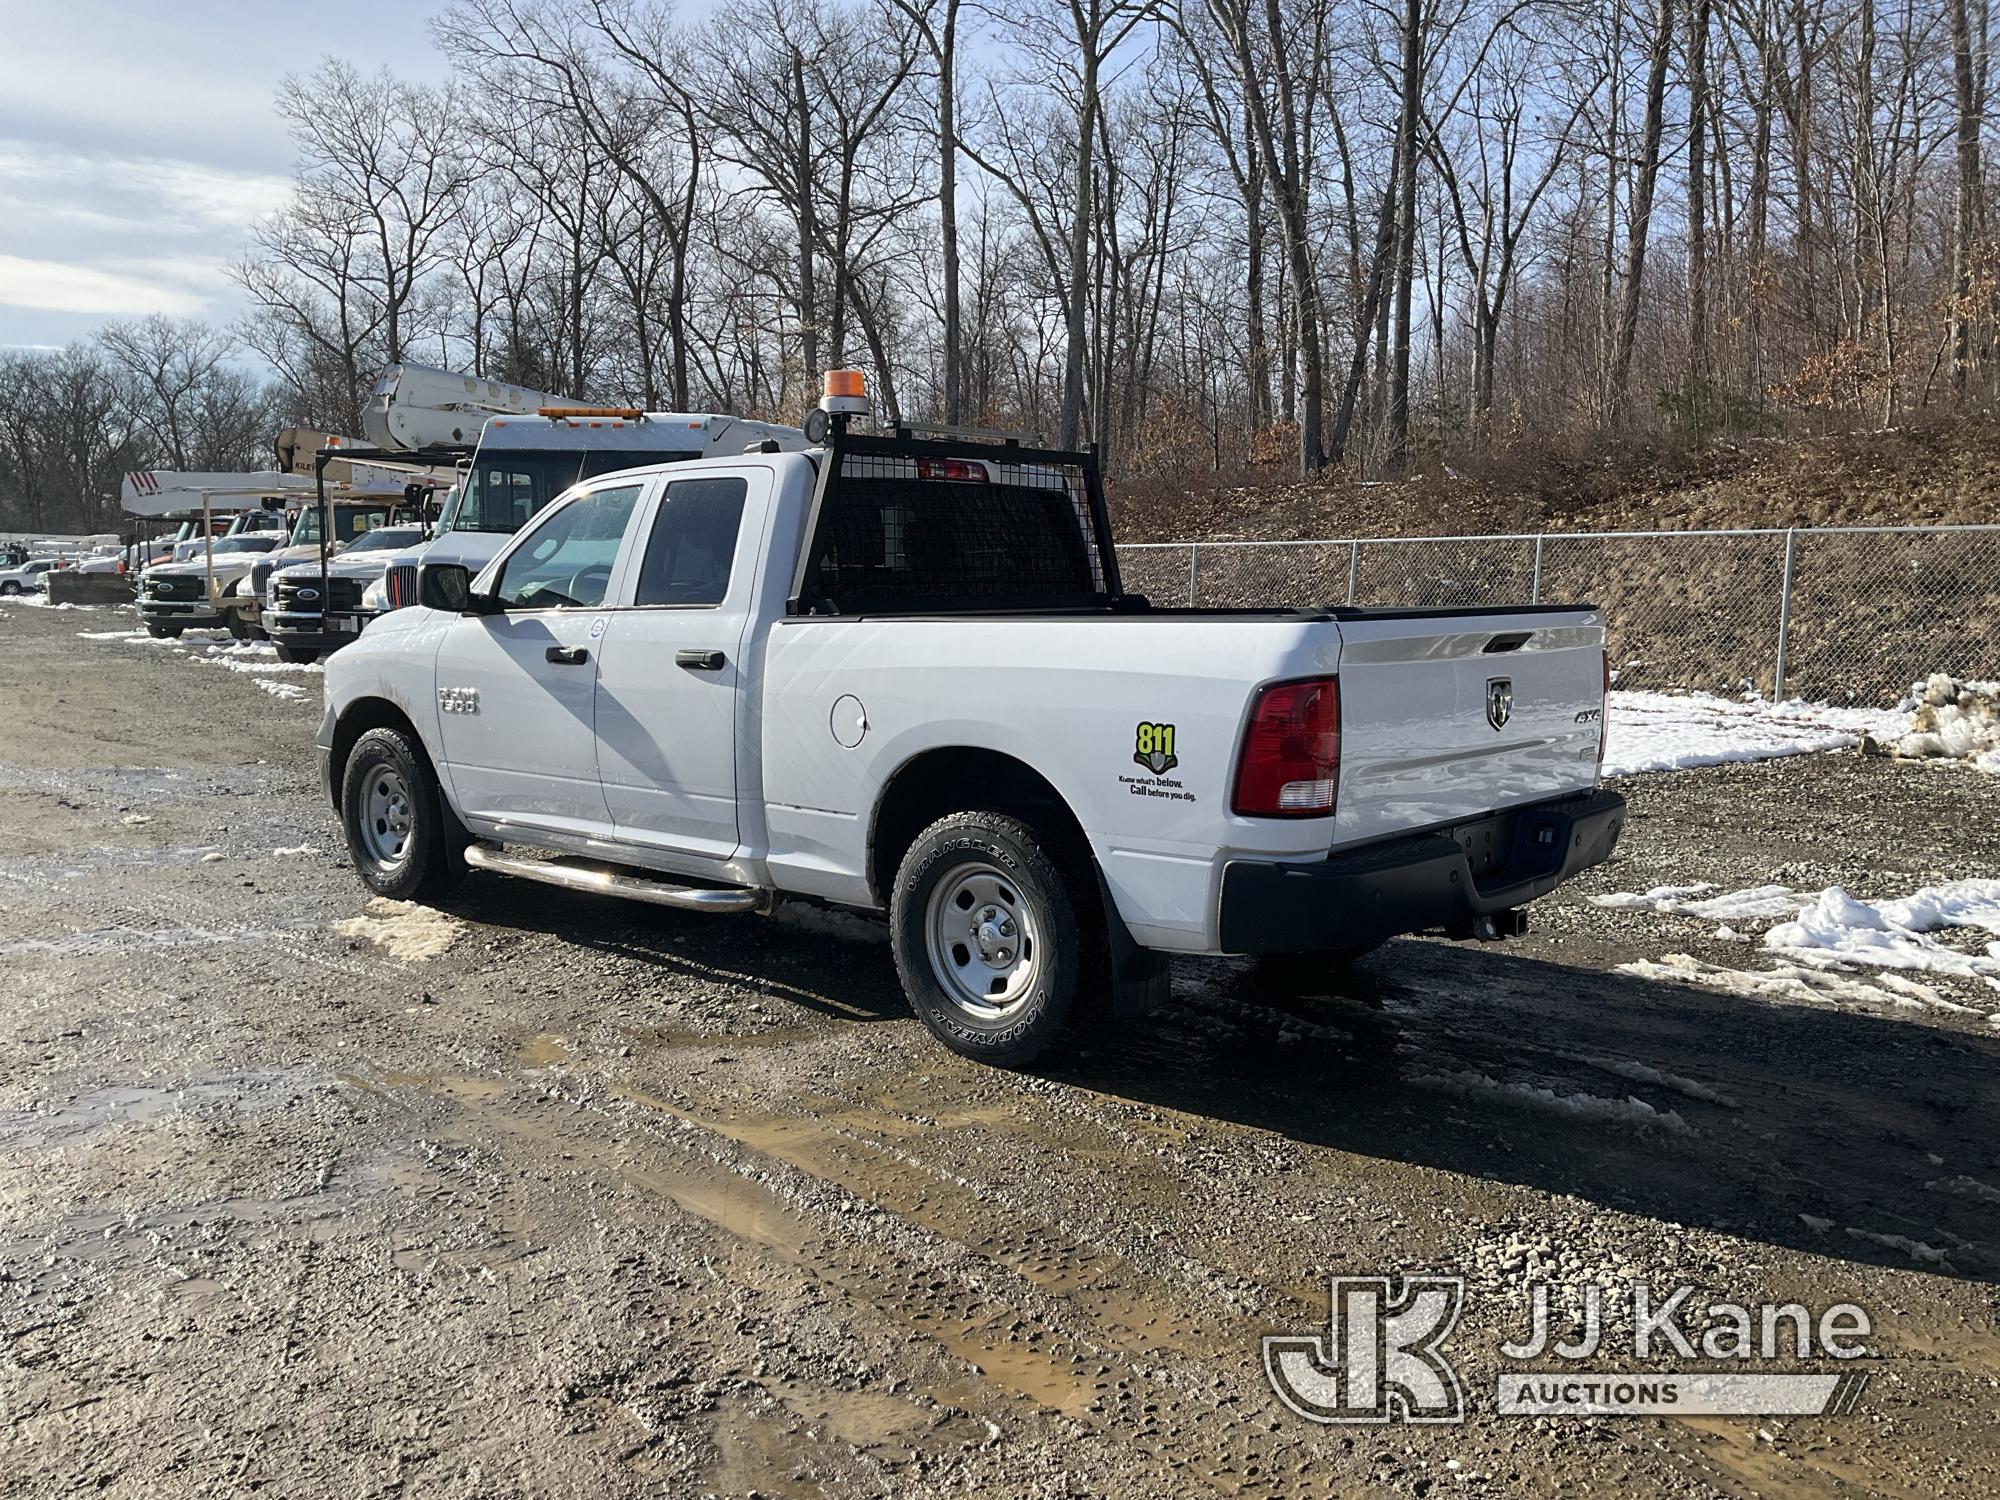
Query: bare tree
[[1640, 228]]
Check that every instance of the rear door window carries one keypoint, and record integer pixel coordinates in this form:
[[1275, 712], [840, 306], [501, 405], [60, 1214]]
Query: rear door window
[[693, 545]]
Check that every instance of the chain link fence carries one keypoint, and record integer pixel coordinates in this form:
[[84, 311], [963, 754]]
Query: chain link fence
[[1843, 615]]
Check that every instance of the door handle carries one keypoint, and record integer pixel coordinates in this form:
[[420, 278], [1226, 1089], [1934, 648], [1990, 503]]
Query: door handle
[[700, 661], [566, 656]]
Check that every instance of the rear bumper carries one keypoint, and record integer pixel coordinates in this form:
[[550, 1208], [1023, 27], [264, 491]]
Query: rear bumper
[[1447, 878]]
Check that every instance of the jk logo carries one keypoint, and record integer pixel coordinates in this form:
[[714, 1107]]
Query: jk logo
[[1382, 1360]]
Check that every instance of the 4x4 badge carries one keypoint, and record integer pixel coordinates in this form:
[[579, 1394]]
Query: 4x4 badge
[[1154, 748]]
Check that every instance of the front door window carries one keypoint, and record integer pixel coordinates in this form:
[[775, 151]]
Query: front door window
[[565, 563]]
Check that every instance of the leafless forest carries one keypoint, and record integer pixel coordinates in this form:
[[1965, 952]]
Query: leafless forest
[[1286, 233]]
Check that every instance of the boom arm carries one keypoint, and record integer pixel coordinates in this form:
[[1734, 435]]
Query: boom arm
[[419, 406]]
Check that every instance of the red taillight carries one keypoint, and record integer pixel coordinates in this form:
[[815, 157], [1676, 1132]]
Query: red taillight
[[951, 468], [1290, 766]]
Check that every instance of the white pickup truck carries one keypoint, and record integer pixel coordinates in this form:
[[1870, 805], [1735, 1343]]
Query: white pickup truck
[[902, 675]]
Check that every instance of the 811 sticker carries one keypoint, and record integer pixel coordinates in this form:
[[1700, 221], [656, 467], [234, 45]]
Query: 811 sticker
[[1153, 748]]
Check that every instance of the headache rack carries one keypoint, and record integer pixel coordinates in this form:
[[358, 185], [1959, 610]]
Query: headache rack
[[909, 525]]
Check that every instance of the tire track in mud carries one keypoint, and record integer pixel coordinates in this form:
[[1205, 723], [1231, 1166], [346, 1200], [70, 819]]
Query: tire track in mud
[[1034, 1315]]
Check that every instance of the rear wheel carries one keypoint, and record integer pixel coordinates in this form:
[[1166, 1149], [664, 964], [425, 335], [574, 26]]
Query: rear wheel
[[297, 655], [404, 841], [10, 588], [987, 927]]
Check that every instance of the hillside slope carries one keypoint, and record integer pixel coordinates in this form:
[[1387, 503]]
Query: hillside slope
[[1935, 474]]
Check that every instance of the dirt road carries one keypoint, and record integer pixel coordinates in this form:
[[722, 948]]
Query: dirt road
[[541, 1195]]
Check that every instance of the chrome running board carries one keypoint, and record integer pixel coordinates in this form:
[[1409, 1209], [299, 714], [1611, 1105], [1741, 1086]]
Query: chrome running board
[[602, 882]]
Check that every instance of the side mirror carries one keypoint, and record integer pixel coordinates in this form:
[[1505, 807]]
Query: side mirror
[[448, 586]]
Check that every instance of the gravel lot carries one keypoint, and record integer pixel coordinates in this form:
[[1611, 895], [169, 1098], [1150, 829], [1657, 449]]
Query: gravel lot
[[542, 1195]]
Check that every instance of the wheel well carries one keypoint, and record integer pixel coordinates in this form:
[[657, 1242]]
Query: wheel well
[[956, 780], [361, 716]]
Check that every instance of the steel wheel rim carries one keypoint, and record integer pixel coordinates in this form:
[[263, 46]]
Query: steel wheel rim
[[385, 819], [984, 941]]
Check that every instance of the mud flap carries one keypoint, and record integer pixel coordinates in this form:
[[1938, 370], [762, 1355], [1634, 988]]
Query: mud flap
[[1139, 978]]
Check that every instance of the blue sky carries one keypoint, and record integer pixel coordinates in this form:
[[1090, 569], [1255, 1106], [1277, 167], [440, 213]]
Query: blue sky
[[138, 142]]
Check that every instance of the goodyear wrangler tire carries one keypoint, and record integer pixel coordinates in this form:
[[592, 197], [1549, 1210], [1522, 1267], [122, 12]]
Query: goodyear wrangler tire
[[987, 932], [404, 841]]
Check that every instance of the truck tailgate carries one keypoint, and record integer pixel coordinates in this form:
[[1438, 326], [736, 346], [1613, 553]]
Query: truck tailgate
[[1446, 715]]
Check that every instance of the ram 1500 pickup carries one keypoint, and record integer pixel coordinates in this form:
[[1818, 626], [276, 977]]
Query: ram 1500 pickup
[[902, 675]]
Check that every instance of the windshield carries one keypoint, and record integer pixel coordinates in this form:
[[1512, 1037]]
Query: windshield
[[246, 544], [348, 523], [388, 539], [502, 490]]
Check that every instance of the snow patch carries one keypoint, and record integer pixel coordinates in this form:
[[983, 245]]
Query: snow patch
[[1966, 1187], [254, 658], [1679, 731], [1918, 1251], [1638, 1072], [1789, 981], [410, 932], [1632, 1113], [1732, 906], [291, 692], [1955, 719], [1895, 934]]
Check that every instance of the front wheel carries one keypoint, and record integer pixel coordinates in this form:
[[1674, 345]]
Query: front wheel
[[297, 655], [988, 936], [405, 842], [237, 626], [164, 632]]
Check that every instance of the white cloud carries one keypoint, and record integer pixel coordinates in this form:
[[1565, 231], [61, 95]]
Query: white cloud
[[51, 286], [100, 235], [154, 194]]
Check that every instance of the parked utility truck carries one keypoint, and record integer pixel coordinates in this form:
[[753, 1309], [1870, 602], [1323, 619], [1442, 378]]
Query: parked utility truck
[[528, 447], [903, 675]]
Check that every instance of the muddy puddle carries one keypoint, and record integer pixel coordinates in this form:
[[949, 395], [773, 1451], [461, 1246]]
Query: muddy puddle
[[125, 1105]]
